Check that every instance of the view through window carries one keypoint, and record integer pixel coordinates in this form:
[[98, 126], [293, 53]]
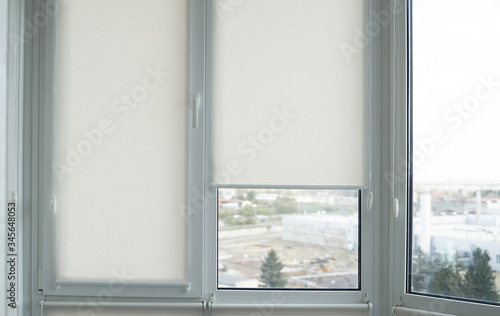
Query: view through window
[[271, 238], [455, 187]]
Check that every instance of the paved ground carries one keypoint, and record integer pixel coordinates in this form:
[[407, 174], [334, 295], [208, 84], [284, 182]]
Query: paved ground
[[318, 264]]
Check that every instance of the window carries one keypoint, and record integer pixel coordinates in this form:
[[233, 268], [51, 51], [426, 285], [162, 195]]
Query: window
[[173, 153], [117, 149], [236, 157], [301, 239], [455, 185], [451, 188], [281, 90]]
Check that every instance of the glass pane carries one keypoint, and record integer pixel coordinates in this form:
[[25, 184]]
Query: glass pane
[[121, 140], [290, 93], [455, 196], [272, 238]]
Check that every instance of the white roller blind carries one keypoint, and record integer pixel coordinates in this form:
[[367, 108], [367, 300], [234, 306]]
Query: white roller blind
[[289, 104], [121, 140]]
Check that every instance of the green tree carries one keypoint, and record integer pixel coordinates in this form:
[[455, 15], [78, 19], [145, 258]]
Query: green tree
[[479, 278], [251, 195], [424, 268], [271, 275], [440, 276], [420, 271], [286, 207], [448, 281]]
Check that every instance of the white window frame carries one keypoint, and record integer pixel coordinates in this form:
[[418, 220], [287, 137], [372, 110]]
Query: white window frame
[[34, 129], [49, 285], [244, 298], [400, 298], [35, 119]]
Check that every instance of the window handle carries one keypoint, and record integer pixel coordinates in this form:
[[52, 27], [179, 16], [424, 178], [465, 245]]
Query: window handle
[[395, 208], [369, 202], [195, 105], [53, 205]]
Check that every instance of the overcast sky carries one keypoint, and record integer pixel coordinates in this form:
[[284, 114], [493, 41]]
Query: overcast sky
[[455, 43]]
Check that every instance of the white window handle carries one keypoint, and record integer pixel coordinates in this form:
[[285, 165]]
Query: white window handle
[[395, 208], [195, 104], [369, 202]]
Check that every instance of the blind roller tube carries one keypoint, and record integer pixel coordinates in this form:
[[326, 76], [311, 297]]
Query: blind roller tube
[[143, 305]]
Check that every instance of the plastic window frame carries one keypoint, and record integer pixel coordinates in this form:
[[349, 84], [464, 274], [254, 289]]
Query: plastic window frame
[[49, 286], [290, 296], [400, 46], [204, 287]]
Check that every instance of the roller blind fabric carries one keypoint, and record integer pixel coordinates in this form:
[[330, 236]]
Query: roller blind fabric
[[121, 139], [290, 96]]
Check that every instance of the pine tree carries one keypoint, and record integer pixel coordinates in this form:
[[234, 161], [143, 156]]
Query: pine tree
[[449, 282], [271, 275], [420, 271], [424, 270], [479, 278]]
